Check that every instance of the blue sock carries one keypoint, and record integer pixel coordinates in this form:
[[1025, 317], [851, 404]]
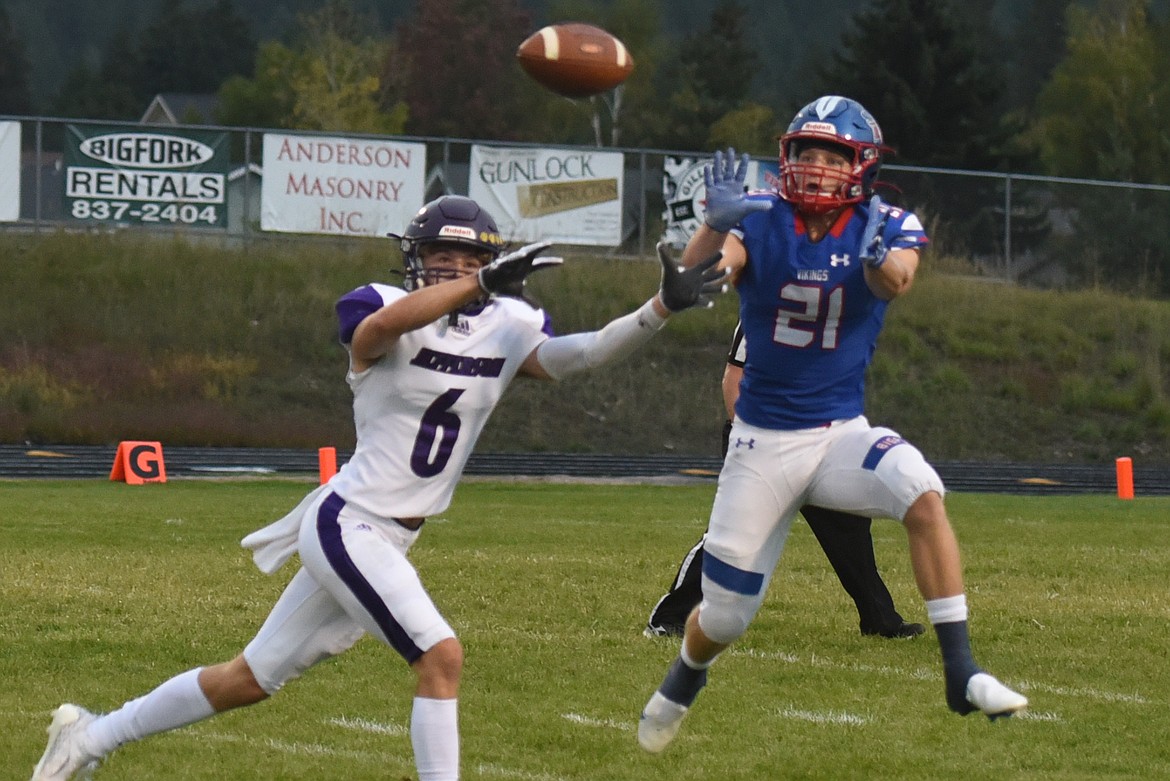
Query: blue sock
[[682, 683], [958, 664]]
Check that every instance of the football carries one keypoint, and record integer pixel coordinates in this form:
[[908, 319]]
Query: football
[[575, 60]]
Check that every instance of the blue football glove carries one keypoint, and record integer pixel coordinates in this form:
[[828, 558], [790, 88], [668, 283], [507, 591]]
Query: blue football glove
[[683, 288], [873, 247], [727, 203]]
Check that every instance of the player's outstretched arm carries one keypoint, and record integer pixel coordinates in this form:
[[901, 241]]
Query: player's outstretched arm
[[506, 276], [377, 334], [680, 288]]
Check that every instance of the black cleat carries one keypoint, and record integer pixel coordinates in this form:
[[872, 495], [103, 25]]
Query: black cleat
[[906, 629]]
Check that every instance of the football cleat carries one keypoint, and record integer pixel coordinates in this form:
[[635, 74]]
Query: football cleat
[[903, 630], [993, 698], [663, 630], [66, 757], [660, 721]]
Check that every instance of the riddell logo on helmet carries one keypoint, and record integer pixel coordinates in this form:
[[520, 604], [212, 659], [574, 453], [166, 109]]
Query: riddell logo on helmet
[[819, 127], [457, 231]]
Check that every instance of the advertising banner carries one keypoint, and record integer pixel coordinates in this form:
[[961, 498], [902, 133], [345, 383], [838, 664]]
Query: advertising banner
[[349, 186], [9, 171], [563, 196], [155, 177], [686, 195]]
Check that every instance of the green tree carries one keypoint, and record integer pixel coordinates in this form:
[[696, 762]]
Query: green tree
[[103, 92], [185, 50], [1104, 112], [751, 128], [336, 80], [914, 65], [1102, 116], [180, 50], [265, 99], [328, 80], [14, 70], [711, 78]]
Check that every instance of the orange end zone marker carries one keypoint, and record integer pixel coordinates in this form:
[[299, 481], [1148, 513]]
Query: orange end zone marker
[[326, 463], [1125, 478], [139, 462]]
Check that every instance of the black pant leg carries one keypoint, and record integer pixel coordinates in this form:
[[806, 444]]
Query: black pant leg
[[848, 545], [686, 591]]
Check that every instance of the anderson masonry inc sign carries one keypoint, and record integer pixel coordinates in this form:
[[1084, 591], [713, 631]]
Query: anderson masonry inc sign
[[347, 186], [150, 178]]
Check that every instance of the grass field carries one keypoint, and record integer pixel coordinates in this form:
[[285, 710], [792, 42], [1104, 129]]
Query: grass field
[[109, 589]]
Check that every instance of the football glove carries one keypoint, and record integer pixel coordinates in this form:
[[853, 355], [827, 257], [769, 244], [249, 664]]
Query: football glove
[[507, 276], [727, 203], [683, 288], [873, 246]]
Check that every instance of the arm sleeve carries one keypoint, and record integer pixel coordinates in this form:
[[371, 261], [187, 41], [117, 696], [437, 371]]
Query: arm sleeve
[[561, 356]]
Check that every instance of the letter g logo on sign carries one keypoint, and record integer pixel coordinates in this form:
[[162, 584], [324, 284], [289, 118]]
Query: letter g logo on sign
[[139, 462]]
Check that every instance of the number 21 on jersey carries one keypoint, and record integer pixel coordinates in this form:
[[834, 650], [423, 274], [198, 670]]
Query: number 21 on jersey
[[818, 317]]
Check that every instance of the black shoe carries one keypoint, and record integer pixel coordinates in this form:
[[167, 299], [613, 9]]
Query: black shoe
[[906, 629], [663, 630]]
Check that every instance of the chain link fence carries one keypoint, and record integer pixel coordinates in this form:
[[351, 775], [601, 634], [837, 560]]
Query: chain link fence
[[1024, 229]]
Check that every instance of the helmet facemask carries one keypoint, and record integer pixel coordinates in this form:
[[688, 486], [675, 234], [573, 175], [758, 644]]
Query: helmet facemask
[[818, 189]]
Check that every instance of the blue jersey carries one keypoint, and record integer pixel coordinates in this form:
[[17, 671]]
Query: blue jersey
[[810, 318]]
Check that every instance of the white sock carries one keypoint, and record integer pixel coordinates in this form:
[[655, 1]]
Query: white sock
[[689, 662], [947, 610], [434, 733], [175, 703]]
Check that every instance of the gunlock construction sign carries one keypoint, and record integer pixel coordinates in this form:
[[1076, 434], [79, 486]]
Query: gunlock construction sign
[[564, 196], [150, 178]]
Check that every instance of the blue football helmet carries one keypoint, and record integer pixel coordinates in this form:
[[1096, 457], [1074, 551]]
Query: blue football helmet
[[843, 126], [450, 219]]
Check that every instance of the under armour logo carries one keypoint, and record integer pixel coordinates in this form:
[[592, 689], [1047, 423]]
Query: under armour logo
[[838, 260], [751, 443]]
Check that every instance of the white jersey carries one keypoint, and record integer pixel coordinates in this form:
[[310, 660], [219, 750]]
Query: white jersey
[[419, 410]]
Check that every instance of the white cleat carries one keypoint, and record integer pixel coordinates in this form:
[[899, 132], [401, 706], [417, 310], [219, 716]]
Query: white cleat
[[66, 754], [660, 721], [993, 698]]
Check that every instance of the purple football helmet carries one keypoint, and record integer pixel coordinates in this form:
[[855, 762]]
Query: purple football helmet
[[450, 219]]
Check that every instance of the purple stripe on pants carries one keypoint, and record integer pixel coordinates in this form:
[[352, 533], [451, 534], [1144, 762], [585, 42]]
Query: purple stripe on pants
[[329, 533]]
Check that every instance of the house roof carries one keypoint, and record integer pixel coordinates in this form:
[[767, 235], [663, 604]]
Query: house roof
[[181, 108]]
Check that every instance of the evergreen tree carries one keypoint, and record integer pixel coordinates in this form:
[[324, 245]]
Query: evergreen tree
[[913, 64], [1034, 48], [14, 70], [191, 50], [104, 92], [712, 77]]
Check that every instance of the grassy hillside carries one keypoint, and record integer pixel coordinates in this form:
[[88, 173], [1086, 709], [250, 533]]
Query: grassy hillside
[[117, 336]]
